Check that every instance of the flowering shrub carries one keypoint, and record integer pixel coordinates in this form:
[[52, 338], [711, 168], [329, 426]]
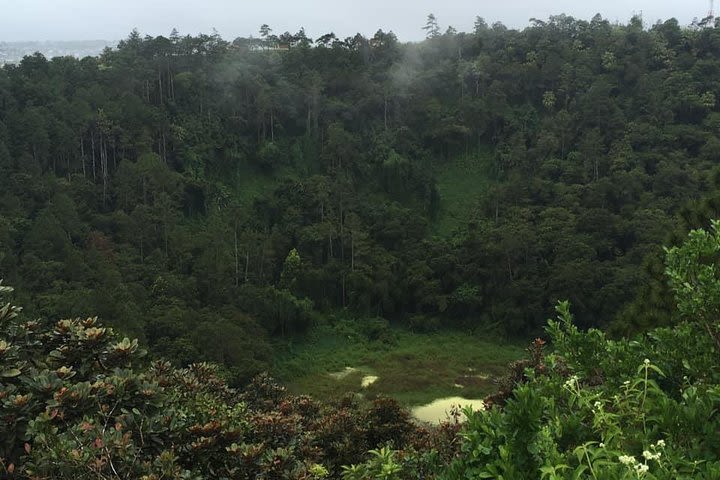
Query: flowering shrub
[[77, 402], [642, 408]]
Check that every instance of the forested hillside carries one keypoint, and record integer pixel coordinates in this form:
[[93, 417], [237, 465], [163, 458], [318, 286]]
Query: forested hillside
[[77, 402], [207, 196]]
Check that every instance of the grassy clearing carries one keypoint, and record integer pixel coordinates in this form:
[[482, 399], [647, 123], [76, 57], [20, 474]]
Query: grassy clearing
[[413, 368], [250, 184], [460, 184]]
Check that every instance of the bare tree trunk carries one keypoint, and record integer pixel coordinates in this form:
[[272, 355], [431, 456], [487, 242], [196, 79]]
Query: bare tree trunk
[[92, 143], [343, 290], [82, 155], [262, 261], [172, 84], [342, 234], [596, 169], [386, 113], [237, 260], [104, 167], [247, 264], [307, 123], [160, 89], [352, 251]]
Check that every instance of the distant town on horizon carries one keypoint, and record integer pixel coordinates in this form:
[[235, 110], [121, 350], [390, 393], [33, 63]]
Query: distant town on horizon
[[13, 52]]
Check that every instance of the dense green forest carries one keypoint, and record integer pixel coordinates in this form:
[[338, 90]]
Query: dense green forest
[[209, 196], [255, 205], [77, 402]]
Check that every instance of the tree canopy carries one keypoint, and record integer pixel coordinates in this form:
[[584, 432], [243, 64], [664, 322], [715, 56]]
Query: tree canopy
[[182, 185]]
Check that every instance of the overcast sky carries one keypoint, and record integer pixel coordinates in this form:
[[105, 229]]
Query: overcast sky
[[114, 19]]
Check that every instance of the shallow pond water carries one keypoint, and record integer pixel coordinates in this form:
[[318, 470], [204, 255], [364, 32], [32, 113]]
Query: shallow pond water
[[368, 380], [343, 373], [438, 410], [365, 381], [434, 412]]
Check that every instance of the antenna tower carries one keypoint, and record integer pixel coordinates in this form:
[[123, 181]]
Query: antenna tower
[[711, 12]]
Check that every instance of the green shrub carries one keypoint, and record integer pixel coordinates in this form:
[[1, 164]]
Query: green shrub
[[613, 409]]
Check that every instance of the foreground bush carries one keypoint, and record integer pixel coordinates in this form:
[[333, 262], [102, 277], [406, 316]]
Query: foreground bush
[[604, 409], [78, 402]]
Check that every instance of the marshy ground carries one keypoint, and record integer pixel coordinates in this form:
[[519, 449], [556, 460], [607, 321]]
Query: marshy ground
[[415, 369]]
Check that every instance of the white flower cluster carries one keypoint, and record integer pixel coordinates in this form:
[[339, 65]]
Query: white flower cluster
[[571, 382], [651, 456], [655, 454], [640, 468]]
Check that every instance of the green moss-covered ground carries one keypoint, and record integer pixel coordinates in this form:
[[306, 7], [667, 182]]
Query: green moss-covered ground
[[413, 368]]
